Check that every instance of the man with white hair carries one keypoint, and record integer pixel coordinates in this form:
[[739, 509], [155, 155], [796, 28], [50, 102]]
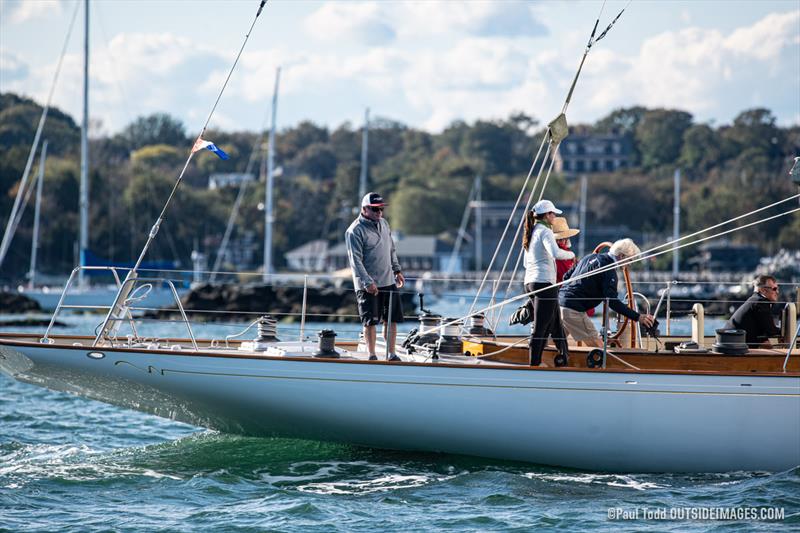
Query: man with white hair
[[578, 296]]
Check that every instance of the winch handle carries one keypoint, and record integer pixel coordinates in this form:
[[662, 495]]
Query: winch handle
[[422, 309]]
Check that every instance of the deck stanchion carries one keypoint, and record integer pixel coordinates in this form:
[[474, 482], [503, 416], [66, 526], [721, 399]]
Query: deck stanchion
[[669, 303], [388, 325], [60, 303], [605, 331], [791, 345], [303, 314]]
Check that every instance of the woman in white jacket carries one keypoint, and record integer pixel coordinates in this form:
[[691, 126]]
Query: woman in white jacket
[[541, 251]]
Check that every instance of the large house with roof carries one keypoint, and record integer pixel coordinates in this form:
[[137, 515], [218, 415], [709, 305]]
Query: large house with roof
[[592, 154]]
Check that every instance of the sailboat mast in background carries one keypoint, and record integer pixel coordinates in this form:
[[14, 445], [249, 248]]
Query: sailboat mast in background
[[362, 180], [36, 214], [84, 189], [268, 218], [676, 224]]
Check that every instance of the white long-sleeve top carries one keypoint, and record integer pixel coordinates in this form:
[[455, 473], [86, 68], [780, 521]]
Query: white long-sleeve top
[[540, 266]]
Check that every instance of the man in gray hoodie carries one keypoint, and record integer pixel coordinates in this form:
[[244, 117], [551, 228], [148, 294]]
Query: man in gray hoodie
[[376, 273]]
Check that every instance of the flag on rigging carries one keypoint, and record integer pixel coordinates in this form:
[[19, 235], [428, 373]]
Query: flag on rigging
[[199, 144]]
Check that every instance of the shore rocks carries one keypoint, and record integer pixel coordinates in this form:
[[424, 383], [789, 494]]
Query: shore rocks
[[13, 303], [214, 302]]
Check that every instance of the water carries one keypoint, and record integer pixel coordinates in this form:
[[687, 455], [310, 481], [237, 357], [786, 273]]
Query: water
[[71, 464]]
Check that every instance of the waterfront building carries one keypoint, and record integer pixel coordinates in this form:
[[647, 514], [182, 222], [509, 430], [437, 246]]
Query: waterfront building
[[593, 154]]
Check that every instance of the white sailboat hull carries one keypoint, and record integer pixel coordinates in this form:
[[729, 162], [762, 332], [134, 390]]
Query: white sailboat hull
[[593, 420]]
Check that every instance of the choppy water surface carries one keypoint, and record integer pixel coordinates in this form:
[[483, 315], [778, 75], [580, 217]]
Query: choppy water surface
[[67, 463]]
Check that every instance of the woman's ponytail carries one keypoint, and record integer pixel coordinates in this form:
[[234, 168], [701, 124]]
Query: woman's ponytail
[[530, 221]]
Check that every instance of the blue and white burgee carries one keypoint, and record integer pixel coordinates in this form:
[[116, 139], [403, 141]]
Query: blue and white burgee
[[200, 143]]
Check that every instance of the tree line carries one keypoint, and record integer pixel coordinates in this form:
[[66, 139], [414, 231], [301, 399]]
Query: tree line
[[728, 169]]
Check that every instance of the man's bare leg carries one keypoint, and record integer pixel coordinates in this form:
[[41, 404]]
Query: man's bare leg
[[390, 336], [370, 336]]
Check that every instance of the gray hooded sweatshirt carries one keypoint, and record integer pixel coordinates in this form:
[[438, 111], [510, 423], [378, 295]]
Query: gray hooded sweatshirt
[[370, 249]]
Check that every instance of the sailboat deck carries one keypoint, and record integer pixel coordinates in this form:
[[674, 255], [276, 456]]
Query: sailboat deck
[[511, 353]]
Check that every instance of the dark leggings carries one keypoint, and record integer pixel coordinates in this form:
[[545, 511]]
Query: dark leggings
[[546, 322]]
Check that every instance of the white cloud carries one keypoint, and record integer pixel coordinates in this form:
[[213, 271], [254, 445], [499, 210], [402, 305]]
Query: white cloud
[[362, 23], [765, 39], [25, 10], [428, 79], [136, 75], [476, 18], [703, 70], [11, 67]]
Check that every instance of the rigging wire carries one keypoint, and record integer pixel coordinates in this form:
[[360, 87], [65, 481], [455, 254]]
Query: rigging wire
[[552, 150], [118, 304], [511, 218], [12, 225], [521, 253], [154, 229], [239, 197], [648, 254]]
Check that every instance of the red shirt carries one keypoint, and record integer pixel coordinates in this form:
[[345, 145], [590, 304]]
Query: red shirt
[[562, 265]]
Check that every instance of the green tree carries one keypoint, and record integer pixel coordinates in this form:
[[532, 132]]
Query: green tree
[[158, 156], [294, 140], [701, 151], [755, 133], [659, 136], [623, 121], [316, 160], [158, 128]]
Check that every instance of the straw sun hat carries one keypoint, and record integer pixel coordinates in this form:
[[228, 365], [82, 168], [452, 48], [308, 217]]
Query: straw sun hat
[[561, 229]]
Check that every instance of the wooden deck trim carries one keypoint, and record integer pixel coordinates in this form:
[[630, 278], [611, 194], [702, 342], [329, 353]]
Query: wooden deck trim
[[484, 364]]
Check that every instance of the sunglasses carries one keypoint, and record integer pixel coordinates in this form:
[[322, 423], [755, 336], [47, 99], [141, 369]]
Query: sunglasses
[[773, 289], [377, 209]]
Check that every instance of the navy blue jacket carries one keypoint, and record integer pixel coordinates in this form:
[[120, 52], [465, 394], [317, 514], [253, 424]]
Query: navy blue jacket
[[584, 294]]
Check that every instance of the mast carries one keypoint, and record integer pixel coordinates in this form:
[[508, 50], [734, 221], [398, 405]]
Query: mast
[[462, 227], [362, 179], [37, 210], [676, 223], [268, 218], [84, 187], [478, 225], [582, 220]]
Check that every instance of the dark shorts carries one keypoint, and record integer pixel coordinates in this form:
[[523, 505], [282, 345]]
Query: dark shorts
[[374, 308]]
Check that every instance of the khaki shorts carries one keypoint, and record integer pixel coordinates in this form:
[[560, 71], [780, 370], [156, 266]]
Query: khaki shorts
[[578, 325]]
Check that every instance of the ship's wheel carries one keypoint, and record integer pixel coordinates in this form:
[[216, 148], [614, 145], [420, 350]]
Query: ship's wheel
[[623, 322]]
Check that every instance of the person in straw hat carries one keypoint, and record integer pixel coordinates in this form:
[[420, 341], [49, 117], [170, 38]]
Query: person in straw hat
[[562, 232]]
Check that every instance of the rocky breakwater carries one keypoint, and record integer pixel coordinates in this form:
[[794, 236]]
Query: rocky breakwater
[[16, 303], [219, 302]]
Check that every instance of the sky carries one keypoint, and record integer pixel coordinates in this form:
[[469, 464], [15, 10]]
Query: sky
[[423, 63]]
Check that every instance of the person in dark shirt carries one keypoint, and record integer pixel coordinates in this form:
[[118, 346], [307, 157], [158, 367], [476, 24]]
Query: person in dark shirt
[[578, 296], [755, 314]]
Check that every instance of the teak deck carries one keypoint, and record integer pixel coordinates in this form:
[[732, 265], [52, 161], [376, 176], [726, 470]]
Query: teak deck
[[756, 360]]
